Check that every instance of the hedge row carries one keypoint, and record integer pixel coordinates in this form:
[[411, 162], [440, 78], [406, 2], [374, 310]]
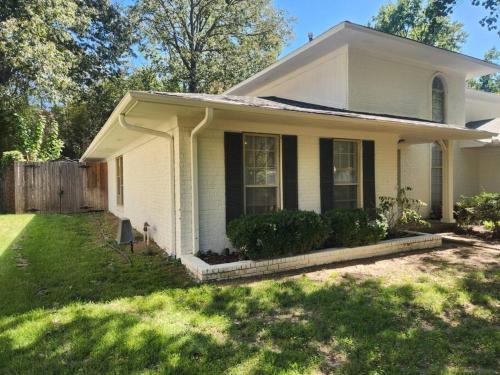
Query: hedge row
[[285, 233]]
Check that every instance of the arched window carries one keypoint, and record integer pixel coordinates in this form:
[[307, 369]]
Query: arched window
[[438, 100]]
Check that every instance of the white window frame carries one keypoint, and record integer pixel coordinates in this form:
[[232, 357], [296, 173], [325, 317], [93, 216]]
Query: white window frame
[[359, 146], [279, 202]]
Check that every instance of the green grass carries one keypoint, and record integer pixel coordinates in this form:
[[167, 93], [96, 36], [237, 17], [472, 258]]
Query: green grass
[[70, 304]]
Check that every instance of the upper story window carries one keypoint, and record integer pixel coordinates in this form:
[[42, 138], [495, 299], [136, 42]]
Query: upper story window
[[438, 100]]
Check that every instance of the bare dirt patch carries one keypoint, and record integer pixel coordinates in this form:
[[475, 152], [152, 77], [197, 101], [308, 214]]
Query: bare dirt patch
[[413, 265]]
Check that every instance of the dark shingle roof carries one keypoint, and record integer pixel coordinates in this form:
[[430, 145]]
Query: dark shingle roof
[[478, 123], [277, 103]]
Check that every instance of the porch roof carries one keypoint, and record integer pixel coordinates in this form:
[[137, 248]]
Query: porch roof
[[490, 125], [173, 104]]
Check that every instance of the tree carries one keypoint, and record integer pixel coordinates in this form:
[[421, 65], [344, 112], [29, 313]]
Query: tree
[[50, 50], [209, 45], [50, 53], [82, 118], [37, 135], [424, 22], [492, 8], [491, 82]]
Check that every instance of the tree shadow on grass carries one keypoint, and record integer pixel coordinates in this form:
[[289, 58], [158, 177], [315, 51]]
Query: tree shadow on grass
[[60, 259], [352, 326], [144, 323]]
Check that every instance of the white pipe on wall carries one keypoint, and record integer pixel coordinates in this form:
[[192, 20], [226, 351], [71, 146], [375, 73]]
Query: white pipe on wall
[[207, 120], [124, 124]]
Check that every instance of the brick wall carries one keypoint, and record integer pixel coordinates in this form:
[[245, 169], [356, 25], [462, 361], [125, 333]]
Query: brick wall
[[211, 183], [147, 192]]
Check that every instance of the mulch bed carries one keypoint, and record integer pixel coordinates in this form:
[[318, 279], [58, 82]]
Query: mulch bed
[[214, 258]]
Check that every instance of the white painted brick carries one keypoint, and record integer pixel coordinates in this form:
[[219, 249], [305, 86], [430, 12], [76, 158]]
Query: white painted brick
[[147, 182]]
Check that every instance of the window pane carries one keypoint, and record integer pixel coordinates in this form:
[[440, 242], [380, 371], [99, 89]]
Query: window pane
[[345, 196], [271, 143], [260, 159], [249, 142], [271, 159], [260, 143], [260, 200], [345, 161], [271, 177], [438, 100], [437, 181], [249, 158], [250, 176], [260, 176]]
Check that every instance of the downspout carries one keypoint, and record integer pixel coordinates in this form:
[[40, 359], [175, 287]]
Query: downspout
[[124, 124], [207, 120]]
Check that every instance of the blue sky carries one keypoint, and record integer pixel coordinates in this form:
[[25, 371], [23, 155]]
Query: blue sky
[[316, 16]]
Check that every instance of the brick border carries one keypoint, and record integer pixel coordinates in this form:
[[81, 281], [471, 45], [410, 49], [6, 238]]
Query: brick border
[[203, 271]]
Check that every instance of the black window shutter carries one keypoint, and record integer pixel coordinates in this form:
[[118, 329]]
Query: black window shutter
[[290, 172], [233, 156], [326, 173], [369, 175]]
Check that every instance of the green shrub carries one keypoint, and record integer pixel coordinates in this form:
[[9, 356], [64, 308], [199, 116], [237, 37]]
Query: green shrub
[[480, 209], [9, 157], [353, 227], [277, 234]]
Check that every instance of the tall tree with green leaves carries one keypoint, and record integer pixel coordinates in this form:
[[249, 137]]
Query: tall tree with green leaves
[[82, 118], [52, 49], [52, 52], [491, 82], [425, 22], [210, 45]]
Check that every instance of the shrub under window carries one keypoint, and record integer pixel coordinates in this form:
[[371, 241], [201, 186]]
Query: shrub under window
[[353, 227], [277, 234]]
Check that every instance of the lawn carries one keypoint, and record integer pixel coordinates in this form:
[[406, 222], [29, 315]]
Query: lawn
[[71, 304]]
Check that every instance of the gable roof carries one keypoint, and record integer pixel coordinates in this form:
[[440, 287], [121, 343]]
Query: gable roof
[[369, 39]]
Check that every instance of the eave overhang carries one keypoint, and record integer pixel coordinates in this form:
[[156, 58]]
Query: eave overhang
[[170, 105]]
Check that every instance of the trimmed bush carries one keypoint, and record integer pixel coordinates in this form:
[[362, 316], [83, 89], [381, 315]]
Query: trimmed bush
[[277, 234], [353, 227]]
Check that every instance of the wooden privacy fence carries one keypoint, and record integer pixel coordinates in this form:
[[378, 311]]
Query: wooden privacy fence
[[54, 186]]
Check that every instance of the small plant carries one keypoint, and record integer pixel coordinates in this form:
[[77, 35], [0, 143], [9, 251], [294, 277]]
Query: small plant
[[402, 213], [353, 227], [480, 209], [277, 234]]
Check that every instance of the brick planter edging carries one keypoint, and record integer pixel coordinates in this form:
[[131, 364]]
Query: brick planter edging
[[203, 271]]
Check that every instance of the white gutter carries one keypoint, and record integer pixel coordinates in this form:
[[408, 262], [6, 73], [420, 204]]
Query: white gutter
[[124, 124], [207, 120]]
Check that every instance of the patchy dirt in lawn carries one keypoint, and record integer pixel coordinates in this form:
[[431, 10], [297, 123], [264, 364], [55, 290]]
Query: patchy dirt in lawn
[[460, 258]]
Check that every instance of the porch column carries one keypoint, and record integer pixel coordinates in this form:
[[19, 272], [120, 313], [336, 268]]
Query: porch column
[[448, 201]]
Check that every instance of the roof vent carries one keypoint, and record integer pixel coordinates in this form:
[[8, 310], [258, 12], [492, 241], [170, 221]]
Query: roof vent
[[310, 36]]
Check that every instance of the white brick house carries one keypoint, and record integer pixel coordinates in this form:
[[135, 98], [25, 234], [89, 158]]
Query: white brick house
[[341, 121]]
